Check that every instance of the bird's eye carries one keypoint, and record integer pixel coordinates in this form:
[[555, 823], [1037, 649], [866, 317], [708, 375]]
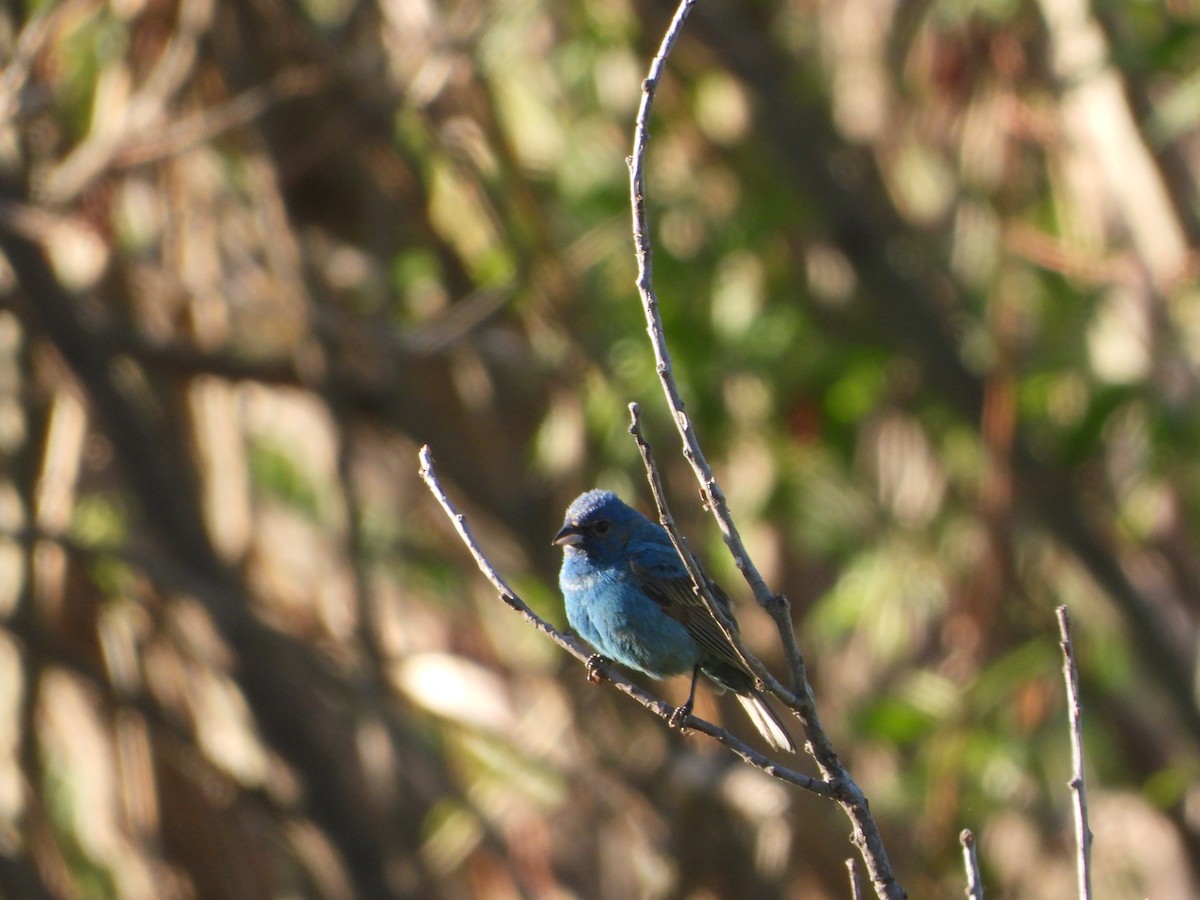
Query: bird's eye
[[601, 527]]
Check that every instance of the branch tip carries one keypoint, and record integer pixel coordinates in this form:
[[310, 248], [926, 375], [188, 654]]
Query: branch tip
[[971, 863], [1077, 784]]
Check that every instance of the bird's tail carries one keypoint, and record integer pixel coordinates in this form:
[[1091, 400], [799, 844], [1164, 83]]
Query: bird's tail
[[766, 721]]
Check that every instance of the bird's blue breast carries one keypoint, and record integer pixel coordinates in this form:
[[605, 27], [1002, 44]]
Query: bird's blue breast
[[607, 609]]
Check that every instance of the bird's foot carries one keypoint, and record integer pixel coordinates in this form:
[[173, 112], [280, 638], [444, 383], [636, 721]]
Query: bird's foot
[[595, 674], [679, 716]]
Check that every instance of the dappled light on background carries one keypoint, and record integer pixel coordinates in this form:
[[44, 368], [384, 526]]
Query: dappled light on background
[[926, 273], [457, 689]]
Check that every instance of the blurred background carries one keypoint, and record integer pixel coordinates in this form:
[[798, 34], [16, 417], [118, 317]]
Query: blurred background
[[928, 276]]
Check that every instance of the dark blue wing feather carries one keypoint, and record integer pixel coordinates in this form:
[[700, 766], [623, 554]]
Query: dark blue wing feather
[[665, 581]]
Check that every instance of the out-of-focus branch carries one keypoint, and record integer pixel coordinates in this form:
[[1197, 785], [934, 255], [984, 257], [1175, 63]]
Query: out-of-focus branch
[[1083, 834], [663, 710], [864, 224], [206, 124], [272, 672], [142, 112], [1098, 119], [14, 78], [1157, 647], [866, 833]]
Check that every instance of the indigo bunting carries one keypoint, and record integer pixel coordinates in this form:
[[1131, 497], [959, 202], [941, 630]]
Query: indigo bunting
[[629, 595]]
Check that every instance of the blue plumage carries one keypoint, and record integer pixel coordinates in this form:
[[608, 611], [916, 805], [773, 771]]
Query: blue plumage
[[630, 597]]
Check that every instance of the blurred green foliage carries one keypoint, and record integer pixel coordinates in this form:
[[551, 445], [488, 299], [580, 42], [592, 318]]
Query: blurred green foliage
[[939, 343]]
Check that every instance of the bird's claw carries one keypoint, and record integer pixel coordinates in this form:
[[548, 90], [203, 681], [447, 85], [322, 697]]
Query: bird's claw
[[595, 673], [680, 716]]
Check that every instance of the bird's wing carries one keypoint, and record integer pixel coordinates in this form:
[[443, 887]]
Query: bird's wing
[[673, 593]]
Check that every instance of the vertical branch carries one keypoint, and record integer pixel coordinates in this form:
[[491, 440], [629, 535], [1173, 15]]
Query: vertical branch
[[692, 451], [971, 863], [1083, 834], [866, 834], [777, 605]]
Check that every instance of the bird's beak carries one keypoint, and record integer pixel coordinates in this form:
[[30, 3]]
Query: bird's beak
[[569, 536]]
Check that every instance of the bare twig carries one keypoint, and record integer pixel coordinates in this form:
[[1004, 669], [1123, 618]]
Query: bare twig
[[852, 871], [1083, 834], [971, 863], [776, 604], [663, 710], [699, 582], [866, 834]]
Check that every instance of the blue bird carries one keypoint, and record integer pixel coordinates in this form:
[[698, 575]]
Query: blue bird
[[629, 596]]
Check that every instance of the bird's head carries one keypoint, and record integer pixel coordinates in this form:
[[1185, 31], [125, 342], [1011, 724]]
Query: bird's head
[[598, 525]]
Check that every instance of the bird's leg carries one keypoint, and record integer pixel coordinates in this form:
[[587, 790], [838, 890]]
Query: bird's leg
[[682, 712], [593, 664]]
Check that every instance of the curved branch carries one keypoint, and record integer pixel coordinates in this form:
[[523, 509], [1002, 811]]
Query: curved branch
[[663, 710], [866, 833]]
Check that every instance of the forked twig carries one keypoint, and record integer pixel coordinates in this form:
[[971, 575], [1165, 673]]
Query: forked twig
[[866, 834], [699, 582], [775, 604], [663, 710]]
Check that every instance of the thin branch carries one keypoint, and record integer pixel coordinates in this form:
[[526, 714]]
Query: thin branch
[[699, 582], [971, 863], [803, 706], [852, 871], [663, 710], [776, 604], [799, 698], [866, 833], [1083, 834]]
